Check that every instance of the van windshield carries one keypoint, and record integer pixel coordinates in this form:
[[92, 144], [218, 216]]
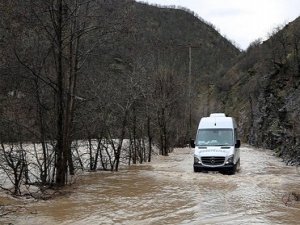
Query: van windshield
[[214, 137]]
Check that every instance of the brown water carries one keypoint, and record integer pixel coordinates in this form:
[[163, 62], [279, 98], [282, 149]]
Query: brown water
[[167, 191]]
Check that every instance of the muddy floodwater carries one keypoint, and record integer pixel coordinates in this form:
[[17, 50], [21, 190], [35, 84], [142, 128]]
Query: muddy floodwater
[[167, 191]]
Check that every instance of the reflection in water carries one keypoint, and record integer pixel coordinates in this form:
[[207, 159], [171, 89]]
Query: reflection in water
[[167, 191]]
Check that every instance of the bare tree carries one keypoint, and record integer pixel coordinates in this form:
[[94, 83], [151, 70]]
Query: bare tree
[[13, 164], [60, 27]]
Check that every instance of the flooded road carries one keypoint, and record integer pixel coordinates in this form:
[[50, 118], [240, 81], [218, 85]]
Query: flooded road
[[167, 191]]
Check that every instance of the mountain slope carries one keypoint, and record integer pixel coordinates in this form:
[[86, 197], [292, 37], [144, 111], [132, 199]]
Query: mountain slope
[[152, 39], [265, 93]]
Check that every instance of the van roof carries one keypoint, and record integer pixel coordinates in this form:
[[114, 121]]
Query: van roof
[[217, 115], [217, 122]]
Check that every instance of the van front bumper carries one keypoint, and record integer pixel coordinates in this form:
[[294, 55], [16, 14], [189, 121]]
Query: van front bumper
[[201, 167]]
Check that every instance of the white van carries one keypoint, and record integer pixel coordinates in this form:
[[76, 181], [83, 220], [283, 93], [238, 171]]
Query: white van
[[217, 145]]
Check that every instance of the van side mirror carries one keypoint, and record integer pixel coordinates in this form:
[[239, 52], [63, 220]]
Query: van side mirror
[[237, 144], [192, 143]]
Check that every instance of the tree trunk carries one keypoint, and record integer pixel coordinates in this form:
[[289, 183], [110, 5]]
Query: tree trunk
[[149, 138], [60, 151], [118, 152]]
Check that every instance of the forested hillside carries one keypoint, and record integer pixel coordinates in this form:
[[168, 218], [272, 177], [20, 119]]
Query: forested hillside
[[264, 92], [103, 70], [126, 45]]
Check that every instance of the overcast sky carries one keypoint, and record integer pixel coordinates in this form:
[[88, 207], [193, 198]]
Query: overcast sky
[[241, 21]]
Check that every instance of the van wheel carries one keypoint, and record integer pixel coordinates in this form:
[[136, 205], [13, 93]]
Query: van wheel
[[196, 169], [233, 170]]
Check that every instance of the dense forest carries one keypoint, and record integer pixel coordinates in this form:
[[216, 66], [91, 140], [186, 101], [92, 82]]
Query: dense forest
[[127, 79]]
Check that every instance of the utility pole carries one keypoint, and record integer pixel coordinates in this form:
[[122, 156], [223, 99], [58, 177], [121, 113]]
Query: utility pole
[[189, 107], [190, 93]]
